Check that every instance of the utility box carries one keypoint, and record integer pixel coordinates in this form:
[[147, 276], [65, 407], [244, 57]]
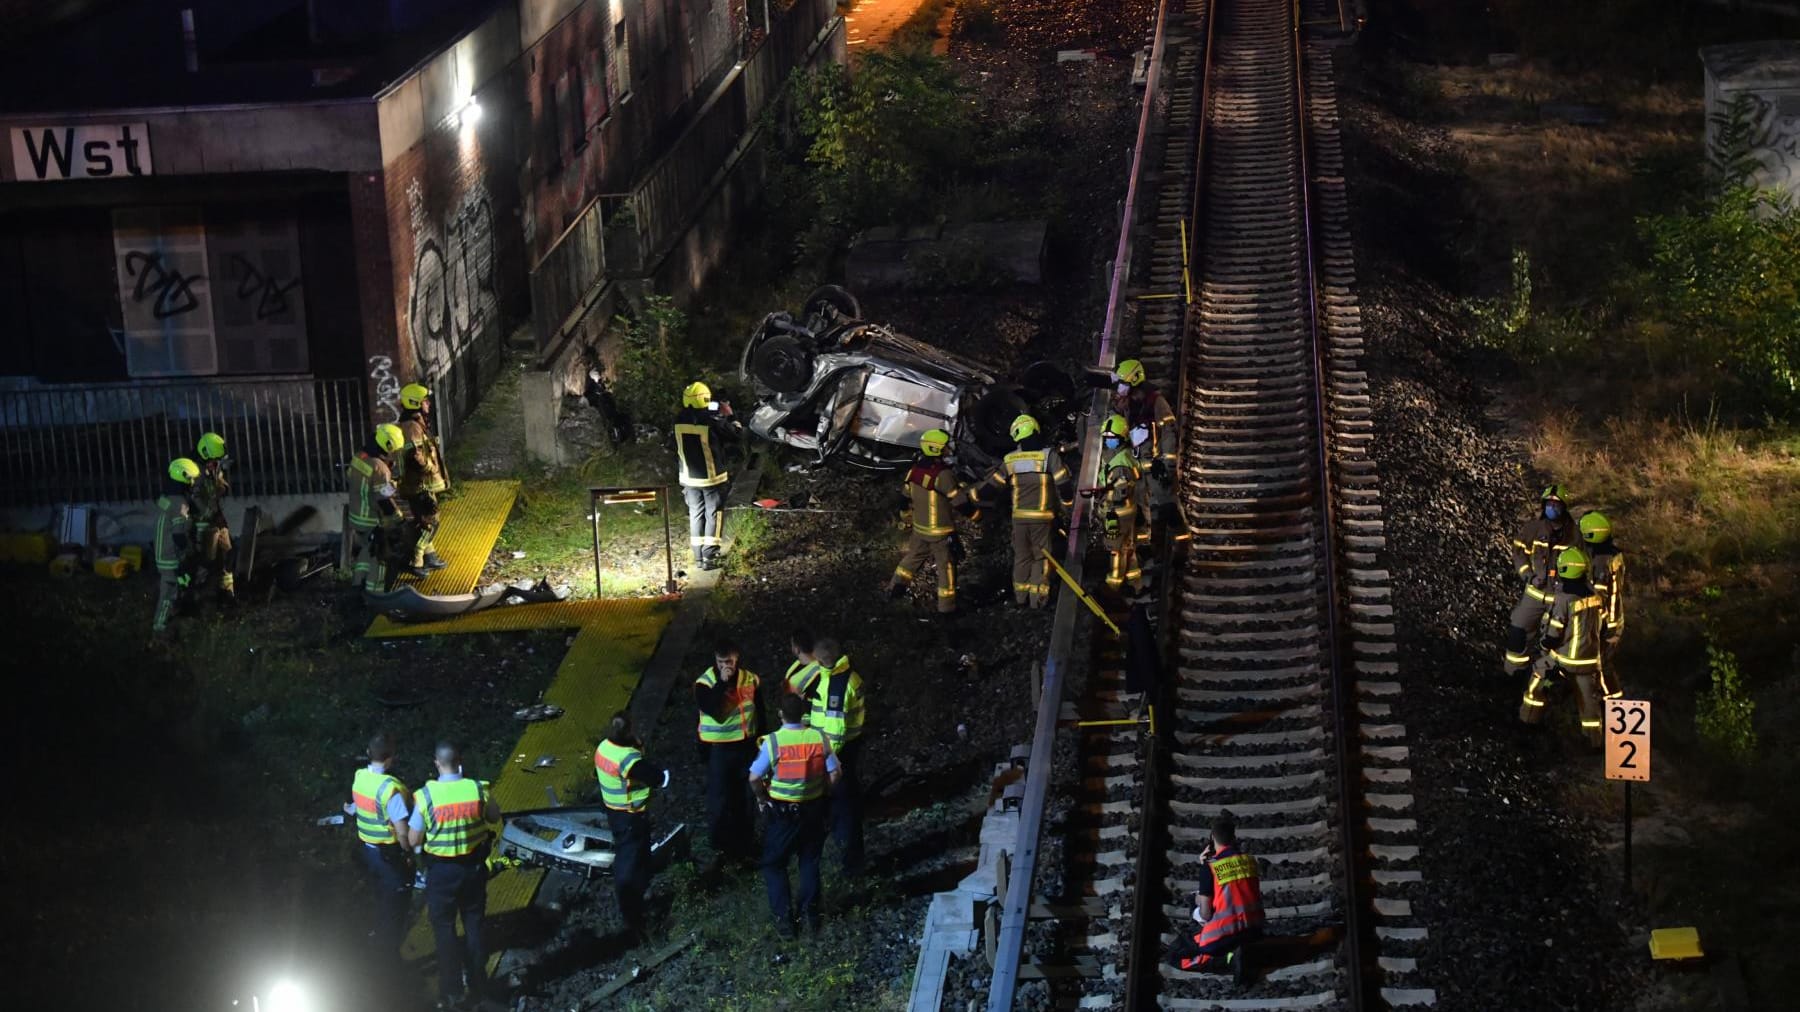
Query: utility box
[[1768, 74]]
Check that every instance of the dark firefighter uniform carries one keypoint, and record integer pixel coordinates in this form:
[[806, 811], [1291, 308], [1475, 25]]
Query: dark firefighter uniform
[[1147, 411], [796, 762], [174, 539], [381, 801], [421, 473], [929, 494], [1122, 509], [700, 432], [1534, 553], [626, 778], [374, 515], [1606, 574], [728, 731], [839, 708], [1040, 486], [211, 530], [1237, 914], [454, 814], [1572, 647]]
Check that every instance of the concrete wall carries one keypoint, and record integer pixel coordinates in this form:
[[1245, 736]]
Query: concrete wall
[[1768, 75]]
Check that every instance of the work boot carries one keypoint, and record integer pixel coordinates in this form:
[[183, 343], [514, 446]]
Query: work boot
[[784, 929], [434, 561], [812, 925], [1239, 966]]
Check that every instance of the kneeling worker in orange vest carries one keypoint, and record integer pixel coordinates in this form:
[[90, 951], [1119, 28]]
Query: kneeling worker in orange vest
[[1228, 907], [793, 768]]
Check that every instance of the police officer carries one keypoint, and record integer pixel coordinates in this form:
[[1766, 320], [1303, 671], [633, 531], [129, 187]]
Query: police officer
[[1571, 643], [839, 708], [379, 803], [626, 779], [1040, 485], [927, 497], [1228, 908], [700, 428], [422, 472], [1535, 551], [1123, 504], [804, 672], [794, 767], [1153, 435], [211, 530], [451, 826], [174, 540], [1606, 574], [726, 696], [374, 514]]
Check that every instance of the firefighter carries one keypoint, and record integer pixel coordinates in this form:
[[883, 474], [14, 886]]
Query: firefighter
[[1040, 485], [726, 696], [626, 779], [1123, 505], [1606, 574], [839, 707], [1227, 906], [926, 501], [1155, 441], [174, 539], [700, 428], [793, 769], [374, 514], [804, 673], [422, 478], [1571, 645], [1535, 550], [381, 805], [212, 533], [451, 825]]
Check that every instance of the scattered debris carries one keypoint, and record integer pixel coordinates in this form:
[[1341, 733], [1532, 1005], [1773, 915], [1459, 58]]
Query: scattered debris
[[537, 712]]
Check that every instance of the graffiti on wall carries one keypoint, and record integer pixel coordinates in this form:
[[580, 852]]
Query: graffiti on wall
[[267, 293], [387, 388], [162, 282], [451, 296]]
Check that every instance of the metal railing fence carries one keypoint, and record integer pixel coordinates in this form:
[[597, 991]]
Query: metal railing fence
[[113, 442]]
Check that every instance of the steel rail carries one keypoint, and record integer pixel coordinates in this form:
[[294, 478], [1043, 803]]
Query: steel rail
[[1343, 687], [1016, 904]]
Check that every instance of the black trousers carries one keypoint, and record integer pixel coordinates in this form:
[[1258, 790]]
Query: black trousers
[[703, 509], [631, 864], [794, 829], [455, 888], [847, 808], [728, 797], [390, 878]]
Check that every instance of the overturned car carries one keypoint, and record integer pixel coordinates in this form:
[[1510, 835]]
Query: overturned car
[[844, 388]]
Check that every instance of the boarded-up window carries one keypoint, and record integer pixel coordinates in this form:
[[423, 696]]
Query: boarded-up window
[[164, 294], [618, 81], [259, 310]]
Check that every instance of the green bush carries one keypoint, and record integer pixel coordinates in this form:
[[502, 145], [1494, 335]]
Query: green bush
[[978, 21], [1723, 717], [655, 361]]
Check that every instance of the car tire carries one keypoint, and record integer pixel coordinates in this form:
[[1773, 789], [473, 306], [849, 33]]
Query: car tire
[[1045, 383], [782, 364], [827, 301], [991, 421]]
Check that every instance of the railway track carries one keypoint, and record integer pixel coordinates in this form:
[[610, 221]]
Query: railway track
[[1277, 612]]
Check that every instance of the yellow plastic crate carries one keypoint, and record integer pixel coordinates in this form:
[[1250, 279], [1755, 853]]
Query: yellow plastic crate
[[112, 567], [133, 556], [32, 549], [1675, 943]]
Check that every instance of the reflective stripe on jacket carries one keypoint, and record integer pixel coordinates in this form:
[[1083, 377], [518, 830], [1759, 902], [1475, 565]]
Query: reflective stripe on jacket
[[838, 706], [699, 458], [371, 791], [1145, 405], [739, 720], [802, 676], [371, 481], [612, 766], [1534, 552], [1236, 896], [1606, 574], [1034, 476], [1575, 629], [455, 823], [931, 491], [173, 522], [421, 462], [796, 763], [1120, 477], [209, 494]]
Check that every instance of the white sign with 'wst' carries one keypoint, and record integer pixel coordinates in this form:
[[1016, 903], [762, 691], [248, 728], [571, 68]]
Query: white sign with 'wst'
[[102, 151]]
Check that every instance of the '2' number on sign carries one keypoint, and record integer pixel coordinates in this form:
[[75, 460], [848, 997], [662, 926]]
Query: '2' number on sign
[[1628, 740]]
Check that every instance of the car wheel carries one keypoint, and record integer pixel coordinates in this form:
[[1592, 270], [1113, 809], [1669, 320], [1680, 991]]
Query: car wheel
[[1044, 383], [832, 303], [782, 364], [992, 420]]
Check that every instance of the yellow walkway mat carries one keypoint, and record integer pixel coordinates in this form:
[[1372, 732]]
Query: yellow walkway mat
[[468, 526], [613, 642]]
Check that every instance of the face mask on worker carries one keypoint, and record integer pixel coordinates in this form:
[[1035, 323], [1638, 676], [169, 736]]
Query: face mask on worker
[[1122, 387], [1111, 441], [1553, 511]]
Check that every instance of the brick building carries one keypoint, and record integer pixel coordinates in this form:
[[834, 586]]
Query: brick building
[[276, 212]]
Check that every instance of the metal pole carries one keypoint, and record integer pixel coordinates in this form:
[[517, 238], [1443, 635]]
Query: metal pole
[[1627, 839], [668, 545], [594, 515]]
